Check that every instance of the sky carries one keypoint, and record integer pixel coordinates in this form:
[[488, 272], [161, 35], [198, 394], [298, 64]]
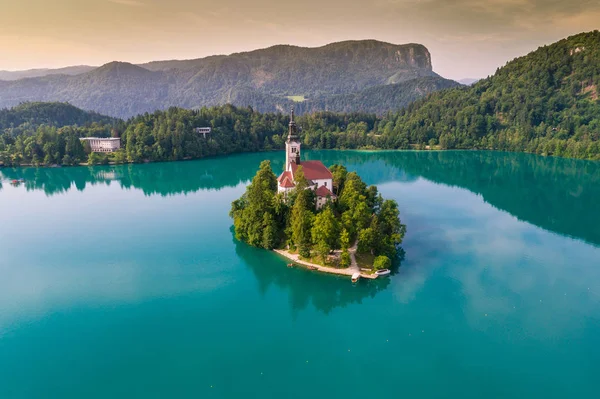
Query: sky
[[466, 38]]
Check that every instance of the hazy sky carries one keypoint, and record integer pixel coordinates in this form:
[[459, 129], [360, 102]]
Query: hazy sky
[[467, 38]]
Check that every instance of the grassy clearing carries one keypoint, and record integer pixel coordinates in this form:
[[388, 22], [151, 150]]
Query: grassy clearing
[[332, 261], [296, 99], [365, 261]]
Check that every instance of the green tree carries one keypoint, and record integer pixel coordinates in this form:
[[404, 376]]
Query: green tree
[[382, 262], [367, 240], [325, 232], [254, 214], [301, 223]]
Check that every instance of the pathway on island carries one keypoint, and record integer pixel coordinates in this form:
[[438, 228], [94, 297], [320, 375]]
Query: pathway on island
[[353, 263], [349, 271]]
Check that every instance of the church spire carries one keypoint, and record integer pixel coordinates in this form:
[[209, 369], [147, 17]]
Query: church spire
[[293, 130], [292, 145]]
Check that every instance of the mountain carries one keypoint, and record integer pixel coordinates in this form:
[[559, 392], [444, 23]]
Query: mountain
[[546, 102], [34, 73], [468, 81], [379, 99], [51, 114], [261, 78]]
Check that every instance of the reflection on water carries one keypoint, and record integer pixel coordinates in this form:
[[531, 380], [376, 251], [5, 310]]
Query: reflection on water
[[553, 193], [164, 179], [136, 279], [324, 292]]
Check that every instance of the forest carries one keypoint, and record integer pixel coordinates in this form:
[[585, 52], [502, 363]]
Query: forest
[[360, 216], [545, 103]]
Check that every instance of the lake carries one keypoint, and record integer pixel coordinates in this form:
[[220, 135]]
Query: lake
[[123, 282]]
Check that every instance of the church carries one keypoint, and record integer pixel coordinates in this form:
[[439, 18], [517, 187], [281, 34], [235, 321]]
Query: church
[[319, 177]]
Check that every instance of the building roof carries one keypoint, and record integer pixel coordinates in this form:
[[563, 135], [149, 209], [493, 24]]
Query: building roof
[[100, 138], [287, 183], [324, 192], [313, 170], [285, 180], [282, 176]]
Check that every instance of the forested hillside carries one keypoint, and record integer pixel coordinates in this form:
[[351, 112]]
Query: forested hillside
[[48, 133], [546, 103], [35, 73], [262, 79], [379, 99], [51, 114], [163, 135]]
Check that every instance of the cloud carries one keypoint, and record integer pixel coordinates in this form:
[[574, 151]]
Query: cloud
[[474, 17]]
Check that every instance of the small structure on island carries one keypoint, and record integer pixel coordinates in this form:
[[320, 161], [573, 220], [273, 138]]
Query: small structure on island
[[318, 176], [103, 144], [203, 131]]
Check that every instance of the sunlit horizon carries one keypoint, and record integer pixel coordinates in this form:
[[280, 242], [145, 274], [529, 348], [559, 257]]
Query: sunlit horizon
[[466, 38]]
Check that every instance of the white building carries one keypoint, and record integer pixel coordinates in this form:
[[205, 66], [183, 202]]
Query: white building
[[203, 130], [103, 144], [319, 177]]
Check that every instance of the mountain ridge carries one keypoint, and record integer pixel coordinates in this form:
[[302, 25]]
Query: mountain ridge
[[122, 89]]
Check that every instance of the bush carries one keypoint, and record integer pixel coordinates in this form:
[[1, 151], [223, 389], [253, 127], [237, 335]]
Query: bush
[[345, 259], [382, 262]]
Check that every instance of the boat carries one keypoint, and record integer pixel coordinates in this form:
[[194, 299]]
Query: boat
[[21, 180], [355, 277], [313, 268], [15, 182], [290, 265], [383, 272]]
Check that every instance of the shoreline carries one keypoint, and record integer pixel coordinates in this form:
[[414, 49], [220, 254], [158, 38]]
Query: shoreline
[[376, 150], [324, 269]]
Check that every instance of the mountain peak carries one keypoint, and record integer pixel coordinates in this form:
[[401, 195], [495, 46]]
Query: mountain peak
[[266, 78], [118, 68]]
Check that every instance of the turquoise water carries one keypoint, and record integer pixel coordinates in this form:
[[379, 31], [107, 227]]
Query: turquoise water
[[127, 282]]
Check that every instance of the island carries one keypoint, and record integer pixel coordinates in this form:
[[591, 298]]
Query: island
[[323, 218]]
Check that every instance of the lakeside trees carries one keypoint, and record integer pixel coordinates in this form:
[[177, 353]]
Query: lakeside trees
[[262, 218], [546, 103]]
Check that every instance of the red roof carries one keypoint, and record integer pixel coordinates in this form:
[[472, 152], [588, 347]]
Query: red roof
[[313, 170], [287, 183], [285, 180], [324, 192], [282, 176]]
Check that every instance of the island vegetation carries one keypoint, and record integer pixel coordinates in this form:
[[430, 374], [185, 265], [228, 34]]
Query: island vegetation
[[360, 218]]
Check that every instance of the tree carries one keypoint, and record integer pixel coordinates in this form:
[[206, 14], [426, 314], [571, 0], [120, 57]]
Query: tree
[[367, 241], [339, 173], [93, 158], [254, 214], [299, 179], [301, 223], [345, 259], [270, 232], [382, 262], [325, 231], [345, 239], [391, 230]]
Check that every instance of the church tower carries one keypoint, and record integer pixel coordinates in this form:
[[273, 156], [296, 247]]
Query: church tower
[[292, 145]]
